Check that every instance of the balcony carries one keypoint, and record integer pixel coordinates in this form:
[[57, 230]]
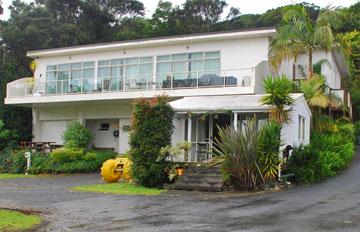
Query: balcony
[[230, 81]]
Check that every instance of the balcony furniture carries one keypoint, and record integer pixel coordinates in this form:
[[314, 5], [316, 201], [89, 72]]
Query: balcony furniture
[[204, 81]]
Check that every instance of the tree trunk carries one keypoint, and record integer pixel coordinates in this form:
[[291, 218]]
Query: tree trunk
[[293, 71], [310, 64]]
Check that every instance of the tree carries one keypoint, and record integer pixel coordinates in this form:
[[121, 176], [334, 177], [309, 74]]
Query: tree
[[151, 130], [299, 34], [278, 96], [201, 15]]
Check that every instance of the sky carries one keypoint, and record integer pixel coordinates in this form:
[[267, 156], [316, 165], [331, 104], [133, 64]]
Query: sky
[[245, 6]]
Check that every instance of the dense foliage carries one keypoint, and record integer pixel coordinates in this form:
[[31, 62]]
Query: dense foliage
[[249, 157], [77, 135], [90, 161], [278, 91], [60, 161], [331, 150], [151, 130]]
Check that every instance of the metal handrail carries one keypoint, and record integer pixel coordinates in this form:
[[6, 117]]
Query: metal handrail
[[242, 77]]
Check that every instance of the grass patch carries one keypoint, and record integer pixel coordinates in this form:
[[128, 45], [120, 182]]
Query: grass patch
[[12, 176], [12, 220], [119, 188]]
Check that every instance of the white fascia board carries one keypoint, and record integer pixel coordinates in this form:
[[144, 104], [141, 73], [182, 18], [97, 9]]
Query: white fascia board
[[148, 43]]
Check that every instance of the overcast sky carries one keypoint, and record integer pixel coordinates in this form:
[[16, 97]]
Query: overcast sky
[[246, 6]]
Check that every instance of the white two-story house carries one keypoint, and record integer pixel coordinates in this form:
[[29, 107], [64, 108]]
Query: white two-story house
[[212, 79]]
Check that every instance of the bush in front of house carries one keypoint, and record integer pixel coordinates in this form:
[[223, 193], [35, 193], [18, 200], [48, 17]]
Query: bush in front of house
[[249, 157], [12, 161], [88, 162], [357, 132], [330, 151], [77, 135], [152, 128], [67, 154]]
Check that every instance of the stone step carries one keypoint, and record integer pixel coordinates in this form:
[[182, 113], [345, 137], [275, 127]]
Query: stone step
[[200, 178], [198, 187], [192, 179]]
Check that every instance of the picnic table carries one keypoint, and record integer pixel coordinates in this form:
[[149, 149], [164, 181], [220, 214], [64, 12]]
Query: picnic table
[[38, 145]]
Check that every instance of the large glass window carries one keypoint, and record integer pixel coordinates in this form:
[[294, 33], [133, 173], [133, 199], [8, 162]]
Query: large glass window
[[129, 73], [187, 69], [69, 77]]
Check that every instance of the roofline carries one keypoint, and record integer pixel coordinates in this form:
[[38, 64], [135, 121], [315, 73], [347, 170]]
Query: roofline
[[243, 33]]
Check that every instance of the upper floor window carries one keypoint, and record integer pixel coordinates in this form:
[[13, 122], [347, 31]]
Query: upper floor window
[[183, 66], [68, 77], [128, 73]]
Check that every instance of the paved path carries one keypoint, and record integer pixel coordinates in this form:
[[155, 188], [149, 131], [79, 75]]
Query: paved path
[[331, 206]]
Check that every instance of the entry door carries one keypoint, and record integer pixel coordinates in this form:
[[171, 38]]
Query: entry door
[[124, 132]]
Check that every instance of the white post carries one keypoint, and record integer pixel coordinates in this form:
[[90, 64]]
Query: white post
[[189, 134], [236, 121]]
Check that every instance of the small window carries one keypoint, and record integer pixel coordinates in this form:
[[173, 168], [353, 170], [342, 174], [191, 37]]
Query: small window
[[104, 126], [301, 128]]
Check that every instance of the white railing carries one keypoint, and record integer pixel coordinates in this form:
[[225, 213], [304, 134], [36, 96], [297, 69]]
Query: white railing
[[244, 77]]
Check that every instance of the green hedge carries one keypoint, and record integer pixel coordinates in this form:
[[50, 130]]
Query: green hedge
[[67, 160], [327, 154], [90, 161]]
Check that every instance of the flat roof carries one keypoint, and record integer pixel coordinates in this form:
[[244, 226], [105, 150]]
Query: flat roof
[[236, 103], [148, 42]]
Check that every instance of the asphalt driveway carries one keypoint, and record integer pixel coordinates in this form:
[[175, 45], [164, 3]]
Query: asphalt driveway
[[331, 206]]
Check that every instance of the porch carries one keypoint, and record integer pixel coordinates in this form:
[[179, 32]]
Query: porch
[[199, 119]]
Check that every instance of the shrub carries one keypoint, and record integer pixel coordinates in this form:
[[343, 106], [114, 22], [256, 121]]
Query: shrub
[[90, 162], [269, 147], [152, 128], [12, 161], [357, 132], [63, 155], [77, 135], [238, 150], [327, 154]]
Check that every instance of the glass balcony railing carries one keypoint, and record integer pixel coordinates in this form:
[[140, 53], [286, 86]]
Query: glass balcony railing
[[161, 81]]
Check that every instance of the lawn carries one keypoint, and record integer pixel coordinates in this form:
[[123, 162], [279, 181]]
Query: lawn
[[119, 188], [11, 220], [12, 176]]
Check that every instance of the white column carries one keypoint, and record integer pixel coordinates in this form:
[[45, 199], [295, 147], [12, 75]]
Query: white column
[[36, 123], [211, 131], [236, 121], [189, 135], [81, 115]]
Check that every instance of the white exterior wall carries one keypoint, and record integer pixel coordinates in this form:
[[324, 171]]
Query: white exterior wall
[[51, 122], [235, 53], [290, 131], [331, 72]]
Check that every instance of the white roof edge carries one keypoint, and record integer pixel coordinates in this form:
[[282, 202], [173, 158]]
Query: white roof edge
[[302, 98], [150, 42]]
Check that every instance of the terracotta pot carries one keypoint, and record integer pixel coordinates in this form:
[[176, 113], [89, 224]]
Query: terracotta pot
[[180, 171]]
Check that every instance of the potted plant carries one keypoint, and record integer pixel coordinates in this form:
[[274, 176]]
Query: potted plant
[[170, 152]]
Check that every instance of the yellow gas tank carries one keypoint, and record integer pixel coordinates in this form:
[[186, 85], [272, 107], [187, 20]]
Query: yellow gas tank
[[114, 169]]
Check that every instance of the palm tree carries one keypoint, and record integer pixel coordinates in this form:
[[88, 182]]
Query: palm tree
[[316, 94], [278, 91], [301, 35]]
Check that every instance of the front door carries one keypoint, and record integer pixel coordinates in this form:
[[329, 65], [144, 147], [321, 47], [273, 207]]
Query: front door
[[124, 132]]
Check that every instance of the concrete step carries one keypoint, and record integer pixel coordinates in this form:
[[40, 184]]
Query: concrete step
[[200, 178], [198, 187]]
